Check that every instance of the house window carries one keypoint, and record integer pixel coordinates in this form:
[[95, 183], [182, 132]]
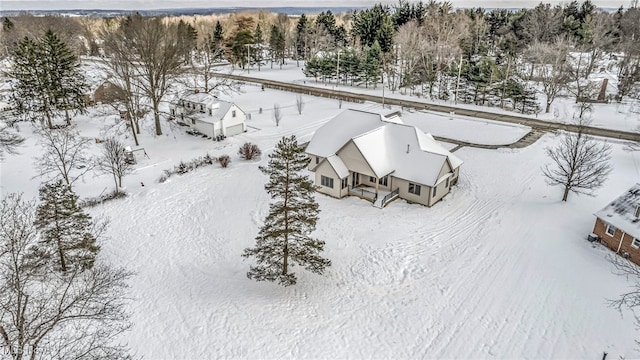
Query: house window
[[414, 189], [173, 111], [447, 183], [610, 230], [372, 179], [383, 181], [638, 211], [326, 181], [635, 243], [317, 160], [193, 121], [210, 113], [233, 113], [201, 107], [435, 191], [344, 183]]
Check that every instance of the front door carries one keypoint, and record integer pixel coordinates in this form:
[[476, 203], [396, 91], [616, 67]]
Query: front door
[[355, 179]]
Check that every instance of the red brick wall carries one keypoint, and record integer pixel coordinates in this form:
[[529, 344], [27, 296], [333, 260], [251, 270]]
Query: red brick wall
[[614, 241]]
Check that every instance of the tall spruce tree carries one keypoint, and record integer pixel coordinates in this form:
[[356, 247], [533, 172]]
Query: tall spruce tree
[[49, 80], [67, 237], [284, 239]]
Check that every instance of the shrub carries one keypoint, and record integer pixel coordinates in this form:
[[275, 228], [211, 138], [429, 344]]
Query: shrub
[[91, 202], [183, 168], [249, 151], [224, 160]]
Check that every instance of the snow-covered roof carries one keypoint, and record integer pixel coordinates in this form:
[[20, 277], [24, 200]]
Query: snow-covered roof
[[337, 165], [197, 97], [221, 110], [621, 212], [329, 138], [388, 147]]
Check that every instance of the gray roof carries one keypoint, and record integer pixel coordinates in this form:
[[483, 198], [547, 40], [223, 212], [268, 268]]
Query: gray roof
[[621, 212]]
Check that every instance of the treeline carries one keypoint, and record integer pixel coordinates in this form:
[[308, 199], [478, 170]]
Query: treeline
[[487, 57]]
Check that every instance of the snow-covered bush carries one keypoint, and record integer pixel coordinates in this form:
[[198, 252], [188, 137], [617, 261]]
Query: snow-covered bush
[[93, 201], [185, 167], [248, 151], [224, 160]]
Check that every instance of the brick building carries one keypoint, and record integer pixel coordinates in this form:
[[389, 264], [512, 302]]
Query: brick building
[[618, 224]]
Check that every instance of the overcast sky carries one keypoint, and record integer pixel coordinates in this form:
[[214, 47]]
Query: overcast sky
[[163, 4]]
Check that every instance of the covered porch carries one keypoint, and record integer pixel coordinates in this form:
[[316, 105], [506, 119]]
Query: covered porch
[[377, 191]]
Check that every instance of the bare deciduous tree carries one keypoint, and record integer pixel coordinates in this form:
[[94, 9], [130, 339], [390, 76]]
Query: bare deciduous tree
[[154, 51], [277, 114], [46, 314], [9, 141], [552, 72], [123, 69], [249, 151], [580, 163], [624, 267], [64, 155], [113, 161], [299, 104]]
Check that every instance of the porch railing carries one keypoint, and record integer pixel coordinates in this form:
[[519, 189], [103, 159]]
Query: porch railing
[[366, 194], [390, 196]]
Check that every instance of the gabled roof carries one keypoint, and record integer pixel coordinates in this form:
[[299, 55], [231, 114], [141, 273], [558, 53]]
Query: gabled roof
[[329, 138], [621, 212], [337, 165], [221, 110], [388, 147]]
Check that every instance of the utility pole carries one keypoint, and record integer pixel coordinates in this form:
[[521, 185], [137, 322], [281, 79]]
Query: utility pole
[[458, 82], [248, 59], [338, 70]]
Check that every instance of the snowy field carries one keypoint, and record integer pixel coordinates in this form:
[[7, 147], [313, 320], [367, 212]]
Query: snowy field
[[619, 116], [499, 269]]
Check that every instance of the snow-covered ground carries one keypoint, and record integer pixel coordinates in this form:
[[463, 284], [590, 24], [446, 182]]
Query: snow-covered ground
[[619, 116], [499, 269]]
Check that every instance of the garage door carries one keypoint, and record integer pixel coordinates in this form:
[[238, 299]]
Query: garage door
[[234, 130]]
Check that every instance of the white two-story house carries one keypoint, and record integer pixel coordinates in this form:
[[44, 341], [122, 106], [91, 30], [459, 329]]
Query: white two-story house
[[208, 115]]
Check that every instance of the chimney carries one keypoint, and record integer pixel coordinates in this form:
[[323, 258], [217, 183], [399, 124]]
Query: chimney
[[408, 148]]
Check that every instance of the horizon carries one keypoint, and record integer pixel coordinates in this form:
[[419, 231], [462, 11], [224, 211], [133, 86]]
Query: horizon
[[146, 5]]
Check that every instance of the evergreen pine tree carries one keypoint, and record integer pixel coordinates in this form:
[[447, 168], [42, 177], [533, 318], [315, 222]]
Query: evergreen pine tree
[[217, 43], [302, 34], [48, 76], [66, 237], [258, 39], [284, 239]]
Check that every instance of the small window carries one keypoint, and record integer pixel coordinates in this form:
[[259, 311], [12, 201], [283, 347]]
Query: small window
[[193, 121], [383, 181], [435, 191], [414, 189], [210, 113], [372, 179], [635, 243], [326, 181], [201, 107], [446, 184], [233, 113], [317, 160], [610, 230], [638, 211], [344, 183]]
